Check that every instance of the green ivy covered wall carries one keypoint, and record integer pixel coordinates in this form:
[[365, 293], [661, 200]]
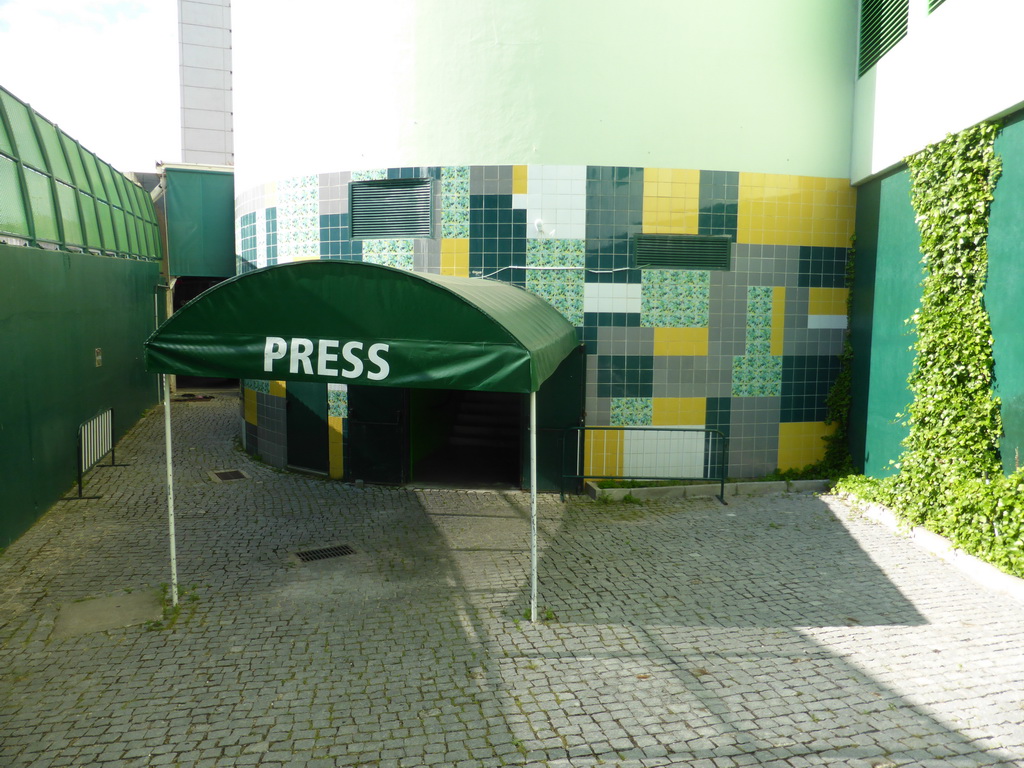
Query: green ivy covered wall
[[936, 331]]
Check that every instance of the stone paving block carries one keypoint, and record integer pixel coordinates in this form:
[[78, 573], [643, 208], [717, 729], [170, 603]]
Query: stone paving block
[[783, 629]]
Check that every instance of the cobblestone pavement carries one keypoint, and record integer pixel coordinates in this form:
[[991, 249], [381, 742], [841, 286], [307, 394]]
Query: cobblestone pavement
[[781, 630]]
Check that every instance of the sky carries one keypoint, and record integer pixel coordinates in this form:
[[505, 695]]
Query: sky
[[105, 71]]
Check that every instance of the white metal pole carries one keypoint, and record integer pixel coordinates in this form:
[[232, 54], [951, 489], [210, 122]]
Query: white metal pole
[[170, 488], [533, 506]]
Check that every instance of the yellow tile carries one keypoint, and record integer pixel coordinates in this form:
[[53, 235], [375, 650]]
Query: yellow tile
[[826, 301], [603, 452], [335, 446], [519, 180], [752, 179], [778, 319], [455, 257], [249, 401], [671, 201], [278, 388], [795, 210], [681, 341], [679, 411], [801, 443]]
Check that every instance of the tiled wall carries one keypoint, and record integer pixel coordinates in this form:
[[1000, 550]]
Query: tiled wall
[[751, 351]]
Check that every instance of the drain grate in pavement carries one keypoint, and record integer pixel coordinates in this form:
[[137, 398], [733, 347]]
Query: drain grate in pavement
[[223, 475], [325, 553]]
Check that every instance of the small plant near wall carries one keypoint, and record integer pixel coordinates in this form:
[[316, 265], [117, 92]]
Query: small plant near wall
[[837, 461], [950, 477]]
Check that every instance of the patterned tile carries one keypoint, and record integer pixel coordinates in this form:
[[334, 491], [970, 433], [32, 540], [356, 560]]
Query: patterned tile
[[675, 298], [631, 412], [375, 174], [337, 400], [298, 218], [757, 376], [389, 253], [555, 273], [455, 202]]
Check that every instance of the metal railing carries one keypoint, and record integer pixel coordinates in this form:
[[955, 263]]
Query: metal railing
[[646, 453], [95, 441]]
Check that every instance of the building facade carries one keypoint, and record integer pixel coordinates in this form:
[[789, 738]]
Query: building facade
[[555, 139]]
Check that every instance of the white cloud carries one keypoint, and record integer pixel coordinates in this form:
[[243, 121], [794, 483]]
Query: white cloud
[[105, 71]]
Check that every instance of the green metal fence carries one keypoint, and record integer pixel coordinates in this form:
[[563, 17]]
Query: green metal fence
[[54, 193]]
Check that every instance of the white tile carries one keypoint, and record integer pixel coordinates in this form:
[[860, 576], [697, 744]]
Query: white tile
[[663, 454], [827, 321], [611, 297]]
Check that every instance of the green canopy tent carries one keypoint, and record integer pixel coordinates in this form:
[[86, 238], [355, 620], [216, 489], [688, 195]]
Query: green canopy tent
[[358, 323]]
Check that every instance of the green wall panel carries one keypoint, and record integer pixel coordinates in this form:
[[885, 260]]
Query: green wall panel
[[13, 216], [201, 222], [56, 309], [20, 120], [1005, 288], [886, 293]]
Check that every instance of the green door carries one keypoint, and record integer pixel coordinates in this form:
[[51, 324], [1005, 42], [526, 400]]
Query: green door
[[560, 404], [377, 444], [306, 410]]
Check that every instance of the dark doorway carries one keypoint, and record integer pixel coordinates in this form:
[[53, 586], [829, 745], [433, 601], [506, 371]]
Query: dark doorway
[[307, 426], [186, 289], [466, 439], [376, 446]]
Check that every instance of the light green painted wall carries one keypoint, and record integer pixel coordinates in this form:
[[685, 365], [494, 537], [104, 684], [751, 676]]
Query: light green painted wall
[[735, 85]]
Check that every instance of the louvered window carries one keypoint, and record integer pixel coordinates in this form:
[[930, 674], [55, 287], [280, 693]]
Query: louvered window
[[683, 252], [883, 23], [391, 208]]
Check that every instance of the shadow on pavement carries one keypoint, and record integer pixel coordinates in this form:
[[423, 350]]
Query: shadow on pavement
[[679, 633]]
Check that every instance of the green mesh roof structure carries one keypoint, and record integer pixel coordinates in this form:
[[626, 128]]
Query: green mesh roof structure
[[56, 193], [358, 323]]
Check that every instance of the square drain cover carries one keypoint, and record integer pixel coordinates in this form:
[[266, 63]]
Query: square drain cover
[[223, 475], [325, 553]]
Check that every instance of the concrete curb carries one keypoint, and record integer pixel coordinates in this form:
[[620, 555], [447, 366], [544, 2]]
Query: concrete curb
[[708, 489], [974, 568]]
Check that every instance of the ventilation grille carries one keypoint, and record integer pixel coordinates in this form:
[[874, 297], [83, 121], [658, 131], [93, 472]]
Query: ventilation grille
[[883, 23], [683, 252], [325, 553], [391, 208]]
